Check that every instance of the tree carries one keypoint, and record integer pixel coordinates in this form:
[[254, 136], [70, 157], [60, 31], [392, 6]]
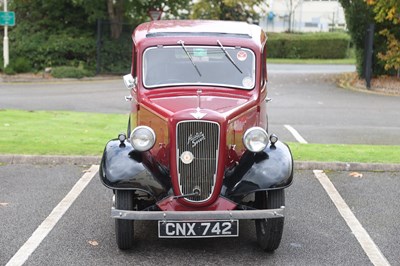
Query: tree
[[358, 17], [49, 16], [386, 10], [172, 9], [115, 9], [240, 10], [291, 6], [389, 11], [118, 12], [112, 10], [50, 34]]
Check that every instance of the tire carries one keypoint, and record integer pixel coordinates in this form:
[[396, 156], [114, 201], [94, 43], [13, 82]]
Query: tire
[[269, 231], [124, 230]]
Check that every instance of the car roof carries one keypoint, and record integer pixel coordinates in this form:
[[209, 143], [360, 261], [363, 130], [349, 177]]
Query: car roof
[[241, 31]]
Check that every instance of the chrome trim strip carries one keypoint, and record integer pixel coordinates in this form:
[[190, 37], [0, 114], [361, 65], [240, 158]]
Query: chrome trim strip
[[197, 215]]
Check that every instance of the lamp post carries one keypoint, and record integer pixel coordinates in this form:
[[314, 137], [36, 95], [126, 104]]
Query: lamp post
[[5, 40]]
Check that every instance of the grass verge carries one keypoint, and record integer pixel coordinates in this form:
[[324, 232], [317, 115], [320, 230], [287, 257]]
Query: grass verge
[[57, 133], [346, 153], [75, 133]]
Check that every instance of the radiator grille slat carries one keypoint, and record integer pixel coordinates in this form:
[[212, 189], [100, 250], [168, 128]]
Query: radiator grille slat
[[200, 138]]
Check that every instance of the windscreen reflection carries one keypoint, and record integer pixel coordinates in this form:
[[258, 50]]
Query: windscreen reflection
[[199, 65]]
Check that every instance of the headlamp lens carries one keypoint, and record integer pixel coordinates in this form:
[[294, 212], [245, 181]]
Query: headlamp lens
[[255, 139], [143, 138]]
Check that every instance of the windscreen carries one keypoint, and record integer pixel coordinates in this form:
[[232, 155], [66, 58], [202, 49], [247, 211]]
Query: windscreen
[[199, 65]]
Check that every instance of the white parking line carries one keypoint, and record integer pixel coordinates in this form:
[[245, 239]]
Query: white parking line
[[49, 223], [296, 134], [362, 236]]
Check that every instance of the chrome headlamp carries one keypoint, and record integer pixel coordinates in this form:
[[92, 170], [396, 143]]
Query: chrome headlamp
[[255, 139], [143, 138]]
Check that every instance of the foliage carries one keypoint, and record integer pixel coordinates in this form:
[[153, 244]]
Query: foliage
[[115, 55], [310, 45], [118, 12], [172, 9], [94, 9], [54, 33], [244, 10], [386, 10], [392, 55], [63, 32], [312, 61], [45, 50], [70, 72], [359, 15], [9, 70], [50, 16], [19, 65], [389, 11]]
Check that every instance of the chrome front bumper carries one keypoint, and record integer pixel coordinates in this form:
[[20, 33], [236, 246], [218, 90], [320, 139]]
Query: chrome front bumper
[[197, 215]]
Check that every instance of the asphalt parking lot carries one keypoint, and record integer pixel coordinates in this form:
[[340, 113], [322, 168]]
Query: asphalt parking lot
[[41, 222], [317, 232]]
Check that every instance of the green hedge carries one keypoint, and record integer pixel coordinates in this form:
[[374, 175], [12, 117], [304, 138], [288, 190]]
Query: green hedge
[[71, 72], [37, 51], [308, 45], [116, 55]]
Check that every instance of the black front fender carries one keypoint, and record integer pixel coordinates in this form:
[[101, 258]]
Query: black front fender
[[267, 170], [124, 168]]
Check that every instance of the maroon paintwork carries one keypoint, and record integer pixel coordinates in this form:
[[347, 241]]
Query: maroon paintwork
[[235, 110], [199, 88]]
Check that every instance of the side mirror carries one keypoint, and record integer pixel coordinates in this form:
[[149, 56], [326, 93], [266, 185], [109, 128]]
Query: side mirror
[[129, 81]]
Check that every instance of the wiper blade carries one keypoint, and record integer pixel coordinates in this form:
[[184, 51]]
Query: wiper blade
[[228, 56], [189, 56]]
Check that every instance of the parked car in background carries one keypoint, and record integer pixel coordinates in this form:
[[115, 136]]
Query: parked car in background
[[197, 156]]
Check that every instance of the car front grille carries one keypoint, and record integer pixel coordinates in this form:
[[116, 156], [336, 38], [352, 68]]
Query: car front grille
[[197, 156]]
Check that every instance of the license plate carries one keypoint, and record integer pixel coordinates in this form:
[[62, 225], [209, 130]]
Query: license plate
[[198, 229]]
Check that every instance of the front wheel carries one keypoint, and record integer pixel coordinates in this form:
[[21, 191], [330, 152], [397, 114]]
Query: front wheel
[[124, 230], [269, 231]]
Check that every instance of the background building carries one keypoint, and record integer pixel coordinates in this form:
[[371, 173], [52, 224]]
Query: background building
[[303, 16]]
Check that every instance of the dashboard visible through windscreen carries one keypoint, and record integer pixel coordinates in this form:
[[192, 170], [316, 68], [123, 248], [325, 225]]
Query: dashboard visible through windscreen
[[199, 65]]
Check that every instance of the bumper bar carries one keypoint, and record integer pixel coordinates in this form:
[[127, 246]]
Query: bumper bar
[[197, 215]]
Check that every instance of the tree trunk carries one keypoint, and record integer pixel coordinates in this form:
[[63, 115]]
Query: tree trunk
[[115, 10], [290, 7]]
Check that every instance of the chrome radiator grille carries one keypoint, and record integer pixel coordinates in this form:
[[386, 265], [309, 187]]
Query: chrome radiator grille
[[197, 156]]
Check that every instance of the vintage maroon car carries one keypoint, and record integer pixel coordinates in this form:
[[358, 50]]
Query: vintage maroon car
[[198, 157]]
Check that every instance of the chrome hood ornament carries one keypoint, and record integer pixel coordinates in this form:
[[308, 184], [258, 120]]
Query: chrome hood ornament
[[198, 114]]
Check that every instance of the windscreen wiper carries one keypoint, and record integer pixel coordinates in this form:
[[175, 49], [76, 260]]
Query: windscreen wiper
[[190, 57], [228, 56]]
